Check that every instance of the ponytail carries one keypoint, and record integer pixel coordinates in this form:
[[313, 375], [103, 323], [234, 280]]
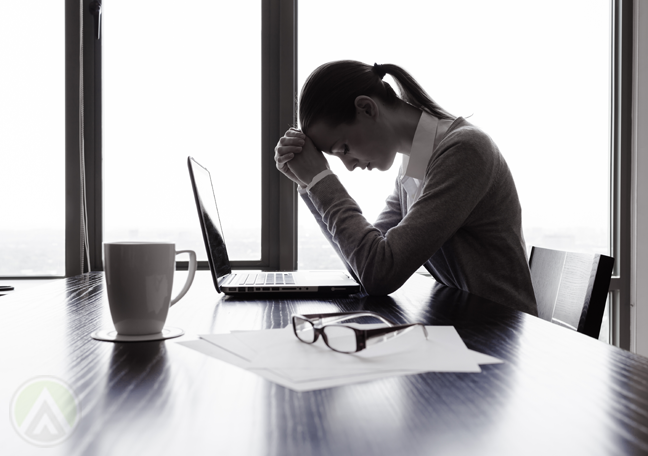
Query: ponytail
[[412, 92], [330, 91]]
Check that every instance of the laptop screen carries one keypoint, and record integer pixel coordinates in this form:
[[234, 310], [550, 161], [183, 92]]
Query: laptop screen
[[209, 219]]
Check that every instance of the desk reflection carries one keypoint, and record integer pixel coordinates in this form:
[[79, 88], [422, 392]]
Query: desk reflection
[[557, 391]]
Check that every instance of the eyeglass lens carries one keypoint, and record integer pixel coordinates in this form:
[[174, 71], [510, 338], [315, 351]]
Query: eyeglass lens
[[341, 338], [304, 330]]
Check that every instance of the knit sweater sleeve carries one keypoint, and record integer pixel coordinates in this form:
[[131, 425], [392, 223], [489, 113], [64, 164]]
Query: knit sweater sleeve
[[325, 232], [392, 214], [457, 177]]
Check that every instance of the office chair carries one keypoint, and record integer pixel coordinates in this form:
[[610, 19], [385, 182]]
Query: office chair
[[571, 288]]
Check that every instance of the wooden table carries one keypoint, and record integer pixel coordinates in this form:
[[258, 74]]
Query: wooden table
[[558, 392]]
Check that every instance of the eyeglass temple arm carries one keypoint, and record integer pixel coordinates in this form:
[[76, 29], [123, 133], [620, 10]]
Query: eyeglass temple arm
[[374, 336], [341, 316]]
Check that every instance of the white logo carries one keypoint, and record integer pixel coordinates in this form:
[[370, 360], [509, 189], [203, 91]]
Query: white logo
[[44, 411]]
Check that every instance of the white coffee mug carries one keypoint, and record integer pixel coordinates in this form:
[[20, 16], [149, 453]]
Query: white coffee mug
[[139, 279]]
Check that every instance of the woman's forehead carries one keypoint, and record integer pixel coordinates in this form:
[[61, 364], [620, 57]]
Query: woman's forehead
[[325, 136]]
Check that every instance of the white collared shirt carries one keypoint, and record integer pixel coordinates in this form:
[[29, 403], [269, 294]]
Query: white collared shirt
[[412, 172]]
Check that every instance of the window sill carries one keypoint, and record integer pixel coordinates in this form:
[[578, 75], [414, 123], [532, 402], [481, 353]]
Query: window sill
[[23, 284]]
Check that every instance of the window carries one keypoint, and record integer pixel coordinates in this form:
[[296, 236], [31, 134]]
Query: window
[[565, 43], [186, 81], [543, 97], [32, 139]]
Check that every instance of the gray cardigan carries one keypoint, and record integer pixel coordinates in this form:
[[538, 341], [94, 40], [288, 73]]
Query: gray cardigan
[[465, 228]]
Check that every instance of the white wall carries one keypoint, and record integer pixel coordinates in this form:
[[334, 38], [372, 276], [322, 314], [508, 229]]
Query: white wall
[[639, 272]]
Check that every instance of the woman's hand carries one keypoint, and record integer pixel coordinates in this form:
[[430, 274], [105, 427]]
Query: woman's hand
[[289, 145], [297, 157]]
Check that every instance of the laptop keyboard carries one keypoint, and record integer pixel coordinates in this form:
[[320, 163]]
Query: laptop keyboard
[[267, 278]]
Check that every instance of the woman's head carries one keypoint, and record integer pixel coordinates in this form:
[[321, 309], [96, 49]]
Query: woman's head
[[329, 93], [348, 111]]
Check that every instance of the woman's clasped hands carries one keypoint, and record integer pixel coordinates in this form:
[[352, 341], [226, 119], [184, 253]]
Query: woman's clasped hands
[[298, 159]]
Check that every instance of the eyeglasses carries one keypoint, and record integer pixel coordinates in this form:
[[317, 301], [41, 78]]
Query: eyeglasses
[[343, 338]]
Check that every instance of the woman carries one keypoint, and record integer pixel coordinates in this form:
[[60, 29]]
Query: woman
[[454, 209]]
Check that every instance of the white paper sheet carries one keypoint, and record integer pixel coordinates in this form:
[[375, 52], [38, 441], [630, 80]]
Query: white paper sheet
[[313, 384], [411, 351], [278, 356], [231, 344]]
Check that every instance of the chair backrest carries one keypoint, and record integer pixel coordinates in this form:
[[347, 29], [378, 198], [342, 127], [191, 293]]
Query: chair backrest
[[571, 288]]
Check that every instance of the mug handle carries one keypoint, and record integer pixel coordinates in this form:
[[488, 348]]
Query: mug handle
[[192, 273]]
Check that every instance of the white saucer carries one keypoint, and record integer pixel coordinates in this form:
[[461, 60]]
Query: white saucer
[[112, 336]]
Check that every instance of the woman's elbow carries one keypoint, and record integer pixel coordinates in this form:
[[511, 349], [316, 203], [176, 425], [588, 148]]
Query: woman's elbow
[[381, 278], [379, 287]]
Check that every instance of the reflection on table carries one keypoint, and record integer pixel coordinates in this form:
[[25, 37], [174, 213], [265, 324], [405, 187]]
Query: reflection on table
[[557, 391]]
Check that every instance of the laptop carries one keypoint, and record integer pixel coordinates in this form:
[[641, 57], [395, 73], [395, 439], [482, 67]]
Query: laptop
[[240, 282]]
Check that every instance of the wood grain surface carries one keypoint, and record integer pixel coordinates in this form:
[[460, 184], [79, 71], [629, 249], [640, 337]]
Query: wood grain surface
[[558, 392]]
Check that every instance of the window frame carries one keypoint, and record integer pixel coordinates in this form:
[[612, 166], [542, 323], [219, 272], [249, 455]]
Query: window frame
[[279, 196], [74, 250], [621, 170], [279, 110]]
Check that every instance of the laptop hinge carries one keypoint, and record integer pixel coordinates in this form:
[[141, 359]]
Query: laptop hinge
[[224, 279]]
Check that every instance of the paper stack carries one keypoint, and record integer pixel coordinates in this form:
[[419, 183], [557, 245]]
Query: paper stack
[[277, 355]]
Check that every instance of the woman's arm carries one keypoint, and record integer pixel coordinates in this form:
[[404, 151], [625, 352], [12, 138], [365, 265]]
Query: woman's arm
[[392, 214], [457, 178], [327, 235], [389, 217]]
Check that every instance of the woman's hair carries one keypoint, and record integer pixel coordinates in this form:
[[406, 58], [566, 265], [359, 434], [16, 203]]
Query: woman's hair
[[330, 91]]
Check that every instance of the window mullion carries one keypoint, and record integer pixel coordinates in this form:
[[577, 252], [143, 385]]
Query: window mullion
[[279, 79], [73, 249], [621, 141]]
